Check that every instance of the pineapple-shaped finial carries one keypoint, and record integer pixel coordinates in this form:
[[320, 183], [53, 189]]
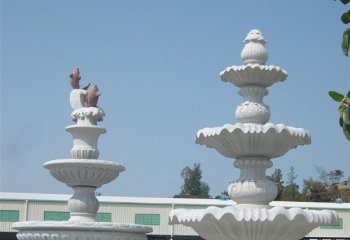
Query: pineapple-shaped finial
[[254, 51]]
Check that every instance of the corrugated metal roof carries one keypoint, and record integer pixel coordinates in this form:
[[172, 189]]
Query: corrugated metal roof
[[116, 199], [165, 201], [315, 205]]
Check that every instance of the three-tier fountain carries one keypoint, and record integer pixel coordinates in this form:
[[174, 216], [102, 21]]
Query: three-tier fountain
[[253, 142], [84, 173]]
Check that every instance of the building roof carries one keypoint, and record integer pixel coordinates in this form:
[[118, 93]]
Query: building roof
[[10, 196]]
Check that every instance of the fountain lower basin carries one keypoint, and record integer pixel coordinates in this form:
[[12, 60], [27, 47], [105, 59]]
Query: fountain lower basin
[[66, 230], [252, 223]]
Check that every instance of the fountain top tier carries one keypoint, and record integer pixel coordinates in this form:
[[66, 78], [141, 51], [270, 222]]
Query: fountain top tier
[[253, 136], [254, 72], [253, 78]]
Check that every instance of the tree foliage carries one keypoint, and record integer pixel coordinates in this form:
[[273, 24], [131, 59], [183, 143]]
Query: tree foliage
[[335, 176], [344, 108], [327, 188], [192, 186], [277, 177]]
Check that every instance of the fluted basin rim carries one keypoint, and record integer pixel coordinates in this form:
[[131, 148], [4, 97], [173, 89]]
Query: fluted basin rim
[[323, 217], [253, 74], [253, 140], [251, 128], [81, 226], [237, 222], [84, 172], [84, 163]]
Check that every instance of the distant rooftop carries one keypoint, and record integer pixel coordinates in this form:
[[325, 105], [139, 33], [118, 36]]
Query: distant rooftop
[[164, 201]]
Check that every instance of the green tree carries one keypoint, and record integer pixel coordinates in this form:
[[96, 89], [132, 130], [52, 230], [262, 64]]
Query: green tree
[[193, 187], [331, 177], [277, 177], [291, 176], [314, 191], [291, 191], [322, 174], [335, 176]]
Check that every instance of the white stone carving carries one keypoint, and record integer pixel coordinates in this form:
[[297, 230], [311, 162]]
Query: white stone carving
[[253, 110], [87, 116], [77, 98], [253, 142], [85, 140], [236, 222], [253, 187], [254, 51], [66, 230], [253, 75], [84, 173], [83, 205]]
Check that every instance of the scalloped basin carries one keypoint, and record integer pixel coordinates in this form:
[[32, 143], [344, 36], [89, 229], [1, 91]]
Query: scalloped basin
[[253, 74], [253, 140], [234, 222], [84, 172], [79, 230]]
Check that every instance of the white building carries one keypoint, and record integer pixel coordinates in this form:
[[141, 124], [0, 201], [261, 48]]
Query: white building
[[16, 207]]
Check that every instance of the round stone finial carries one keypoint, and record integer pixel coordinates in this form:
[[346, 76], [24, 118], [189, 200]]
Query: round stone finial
[[254, 51]]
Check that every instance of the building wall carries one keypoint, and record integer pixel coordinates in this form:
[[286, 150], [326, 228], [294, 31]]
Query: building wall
[[341, 231], [5, 226], [36, 209]]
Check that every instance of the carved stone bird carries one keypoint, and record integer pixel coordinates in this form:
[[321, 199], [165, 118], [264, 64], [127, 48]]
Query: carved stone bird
[[92, 95], [75, 78]]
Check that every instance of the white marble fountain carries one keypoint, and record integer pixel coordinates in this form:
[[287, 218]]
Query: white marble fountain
[[253, 142], [84, 173]]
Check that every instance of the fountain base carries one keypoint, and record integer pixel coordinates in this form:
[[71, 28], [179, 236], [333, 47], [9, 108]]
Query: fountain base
[[69, 230], [252, 223]]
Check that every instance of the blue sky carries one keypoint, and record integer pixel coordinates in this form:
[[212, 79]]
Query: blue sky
[[157, 64]]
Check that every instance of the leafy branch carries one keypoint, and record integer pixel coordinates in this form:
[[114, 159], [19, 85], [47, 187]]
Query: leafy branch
[[344, 108], [345, 18]]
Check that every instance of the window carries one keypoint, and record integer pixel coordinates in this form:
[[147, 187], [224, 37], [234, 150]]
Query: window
[[338, 226], [64, 216], [147, 219], [104, 217], [56, 216], [9, 215]]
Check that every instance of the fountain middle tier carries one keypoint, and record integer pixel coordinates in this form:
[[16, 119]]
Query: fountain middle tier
[[253, 189], [84, 176], [84, 172], [253, 140], [85, 138]]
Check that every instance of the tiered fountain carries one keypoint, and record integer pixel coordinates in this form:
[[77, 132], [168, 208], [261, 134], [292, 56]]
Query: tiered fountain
[[253, 142], [84, 173]]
